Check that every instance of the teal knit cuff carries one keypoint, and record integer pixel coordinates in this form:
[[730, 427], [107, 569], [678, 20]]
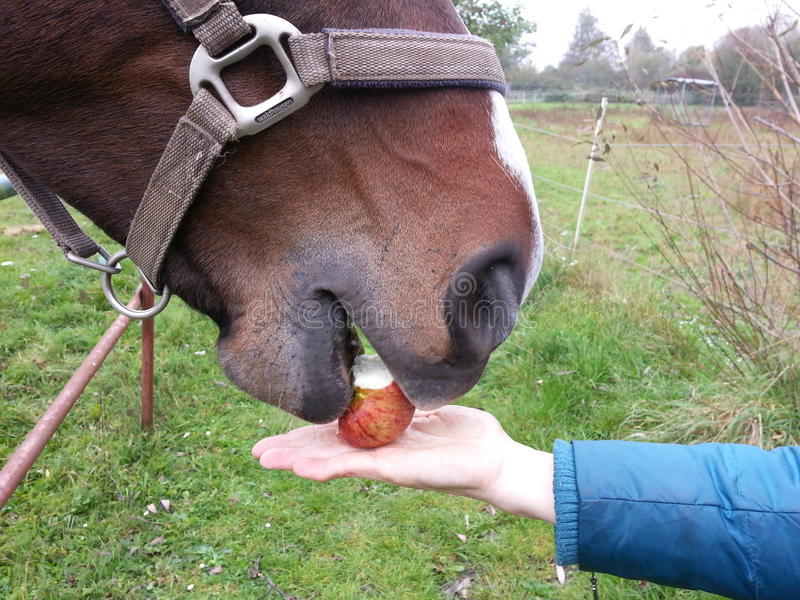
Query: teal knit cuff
[[565, 488]]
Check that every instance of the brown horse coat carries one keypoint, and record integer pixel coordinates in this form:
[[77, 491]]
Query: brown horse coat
[[409, 213]]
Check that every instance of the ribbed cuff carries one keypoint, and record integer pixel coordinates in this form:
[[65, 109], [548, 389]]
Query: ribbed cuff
[[565, 488]]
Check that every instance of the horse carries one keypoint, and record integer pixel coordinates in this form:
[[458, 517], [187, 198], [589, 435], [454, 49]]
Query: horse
[[399, 215]]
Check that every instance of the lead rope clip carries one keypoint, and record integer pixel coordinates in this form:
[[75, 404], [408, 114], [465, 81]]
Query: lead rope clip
[[595, 594], [561, 575]]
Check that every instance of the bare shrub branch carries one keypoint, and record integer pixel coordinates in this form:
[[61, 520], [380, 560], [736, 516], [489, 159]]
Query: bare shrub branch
[[739, 182]]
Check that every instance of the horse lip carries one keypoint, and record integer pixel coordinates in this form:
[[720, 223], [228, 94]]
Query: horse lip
[[432, 386], [329, 381], [419, 404], [429, 405]]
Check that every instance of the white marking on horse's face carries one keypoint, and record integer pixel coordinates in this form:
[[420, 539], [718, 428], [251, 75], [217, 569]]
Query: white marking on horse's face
[[512, 154]]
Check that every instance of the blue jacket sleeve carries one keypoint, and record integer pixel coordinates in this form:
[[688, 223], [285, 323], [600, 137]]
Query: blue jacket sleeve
[[724, 518]]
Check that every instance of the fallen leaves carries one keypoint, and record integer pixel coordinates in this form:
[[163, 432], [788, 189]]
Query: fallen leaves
[[159, 582], [164, 504], [460, 587]]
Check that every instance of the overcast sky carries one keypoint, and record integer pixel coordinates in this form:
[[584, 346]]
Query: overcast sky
[[675, 24]]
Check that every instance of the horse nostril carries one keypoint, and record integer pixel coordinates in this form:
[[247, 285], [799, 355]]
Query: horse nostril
[[482, 304]]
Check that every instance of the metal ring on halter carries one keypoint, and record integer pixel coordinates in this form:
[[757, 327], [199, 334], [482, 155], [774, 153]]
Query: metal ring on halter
[[108, 290], [97, 266]]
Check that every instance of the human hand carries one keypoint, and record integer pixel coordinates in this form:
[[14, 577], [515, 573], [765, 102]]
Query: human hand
[[454, 449]]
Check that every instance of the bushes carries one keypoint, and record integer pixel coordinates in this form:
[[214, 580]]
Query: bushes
[[737, 245]]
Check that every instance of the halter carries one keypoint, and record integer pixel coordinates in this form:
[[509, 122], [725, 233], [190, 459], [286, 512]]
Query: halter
[[340, 58]]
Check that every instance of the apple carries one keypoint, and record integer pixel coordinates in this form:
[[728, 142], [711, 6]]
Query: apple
[[379, 411]]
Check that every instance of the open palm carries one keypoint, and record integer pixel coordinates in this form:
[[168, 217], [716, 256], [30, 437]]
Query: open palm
[[454, 449]]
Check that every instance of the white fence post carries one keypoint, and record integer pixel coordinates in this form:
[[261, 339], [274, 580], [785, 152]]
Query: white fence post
[[590, 169]]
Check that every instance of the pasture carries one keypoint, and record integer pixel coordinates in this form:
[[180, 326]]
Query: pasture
[[607, 347]]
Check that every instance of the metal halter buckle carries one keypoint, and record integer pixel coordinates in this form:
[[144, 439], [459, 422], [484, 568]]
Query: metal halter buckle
[[269, 31], [111, 296]]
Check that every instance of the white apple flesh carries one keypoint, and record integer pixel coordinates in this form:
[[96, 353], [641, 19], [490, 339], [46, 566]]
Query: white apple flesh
[[379, 411]]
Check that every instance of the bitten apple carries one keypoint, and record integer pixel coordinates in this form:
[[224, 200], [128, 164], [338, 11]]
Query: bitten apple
[[380, 411]]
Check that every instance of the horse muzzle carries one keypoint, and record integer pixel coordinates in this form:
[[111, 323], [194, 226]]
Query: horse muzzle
[[296, 350]]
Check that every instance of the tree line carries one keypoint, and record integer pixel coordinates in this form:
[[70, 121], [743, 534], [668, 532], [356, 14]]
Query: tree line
[[598, 62]]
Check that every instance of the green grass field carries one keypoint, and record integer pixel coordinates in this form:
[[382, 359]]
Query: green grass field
[[604, 349]]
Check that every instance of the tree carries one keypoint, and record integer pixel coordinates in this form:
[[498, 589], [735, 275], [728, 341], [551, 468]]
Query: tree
[[591, 60], [647, 63], [692, 64], [745, 59], [501, 25], [739, 61], [552, 78], [588, 42], [734, 63], [522, 76]]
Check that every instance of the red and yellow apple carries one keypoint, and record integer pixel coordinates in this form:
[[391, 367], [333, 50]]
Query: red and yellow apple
[[379, 411]]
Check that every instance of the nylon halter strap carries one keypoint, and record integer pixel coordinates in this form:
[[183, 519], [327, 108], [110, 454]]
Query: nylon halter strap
[[340, 58]]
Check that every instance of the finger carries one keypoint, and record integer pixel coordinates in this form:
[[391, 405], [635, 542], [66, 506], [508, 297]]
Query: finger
[[285, 458], [358, 463], [304, 436], [278, 458]]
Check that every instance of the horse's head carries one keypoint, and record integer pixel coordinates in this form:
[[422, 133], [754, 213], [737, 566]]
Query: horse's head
[[409, 214]]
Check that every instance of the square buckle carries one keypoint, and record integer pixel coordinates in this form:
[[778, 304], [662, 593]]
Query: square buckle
[[269, 31]]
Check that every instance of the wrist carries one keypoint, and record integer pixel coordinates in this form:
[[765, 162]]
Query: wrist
[[524, 485]]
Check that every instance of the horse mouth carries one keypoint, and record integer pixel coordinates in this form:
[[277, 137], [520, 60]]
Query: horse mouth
[[309, 374], [427, 386], [300, 359]]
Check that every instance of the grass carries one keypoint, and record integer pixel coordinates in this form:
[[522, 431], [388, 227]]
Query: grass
[[603, 350]]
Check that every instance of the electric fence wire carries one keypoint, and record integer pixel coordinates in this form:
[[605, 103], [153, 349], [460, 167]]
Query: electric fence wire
[[652, 211], [611, 252], [587, 140]]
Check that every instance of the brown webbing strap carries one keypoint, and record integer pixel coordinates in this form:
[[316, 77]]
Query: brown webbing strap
[[195, 144], [216, 24], [49, 209], [365, 58], [338, 56]]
